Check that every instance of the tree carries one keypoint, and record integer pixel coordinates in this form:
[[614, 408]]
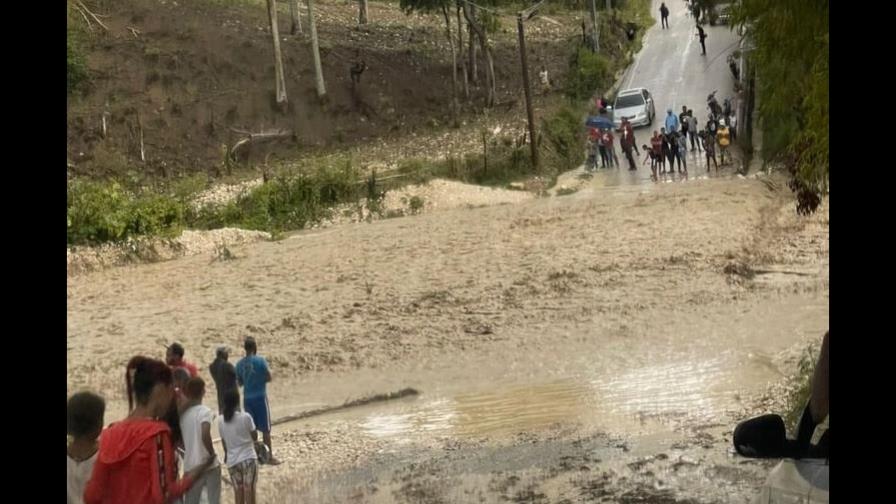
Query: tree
[[790, 57], [362, 12], [280, 80], [296, 27], [315, 52], [479, 30], [442, 6]]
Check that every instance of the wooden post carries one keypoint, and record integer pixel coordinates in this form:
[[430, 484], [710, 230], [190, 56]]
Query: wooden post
[[525, 61], [278, 61]]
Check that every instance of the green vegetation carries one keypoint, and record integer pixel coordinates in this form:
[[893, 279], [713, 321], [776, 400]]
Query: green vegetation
[[799, 395], [790, 60], [588, 72], [106, 211]]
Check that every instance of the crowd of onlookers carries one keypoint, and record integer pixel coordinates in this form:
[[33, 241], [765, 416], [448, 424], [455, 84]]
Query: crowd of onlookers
[[669, 144], [163, 450]]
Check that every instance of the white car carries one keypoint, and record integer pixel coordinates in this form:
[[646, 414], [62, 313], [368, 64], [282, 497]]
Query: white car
[[636, 104]]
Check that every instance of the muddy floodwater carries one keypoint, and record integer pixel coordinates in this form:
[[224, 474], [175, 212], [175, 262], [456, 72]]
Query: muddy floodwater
[[594, 347]]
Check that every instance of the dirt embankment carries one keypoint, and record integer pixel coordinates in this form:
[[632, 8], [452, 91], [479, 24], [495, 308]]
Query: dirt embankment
[[189, 72]]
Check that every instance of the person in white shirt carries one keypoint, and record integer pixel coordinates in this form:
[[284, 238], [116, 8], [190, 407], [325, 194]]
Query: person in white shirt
[[196, 429], [85, 412], [238, 435]]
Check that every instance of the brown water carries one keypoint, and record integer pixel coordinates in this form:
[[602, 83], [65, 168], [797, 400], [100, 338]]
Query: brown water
[[617, 385]]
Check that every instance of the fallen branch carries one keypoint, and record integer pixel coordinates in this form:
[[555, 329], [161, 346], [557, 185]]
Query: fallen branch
[[406, 392], [84, 9], [89, 26], [135, 31], [349, 404], [258, 137]]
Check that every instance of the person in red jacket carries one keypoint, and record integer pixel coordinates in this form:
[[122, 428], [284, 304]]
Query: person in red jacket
[[135, 463]]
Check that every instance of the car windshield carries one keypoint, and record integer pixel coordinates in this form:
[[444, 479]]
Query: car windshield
[[632, 100]]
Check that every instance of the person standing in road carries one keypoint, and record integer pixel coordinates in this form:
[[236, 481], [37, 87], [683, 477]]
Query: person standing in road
[[628, 143], [692, 130], [253, 374], [683, 121], [671, 121], [611, 149], [701, 34], [593, 137], [724, 137], [224, 375], [664, 15], [656, 145], [673, 152], [712, 126], [682, 152], [602, 149], [709, 147], [667, 148]]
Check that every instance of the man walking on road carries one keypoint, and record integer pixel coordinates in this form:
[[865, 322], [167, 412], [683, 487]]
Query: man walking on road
[[664, 15], [666, 150], [702, 35], [671, 121], [253, 374]]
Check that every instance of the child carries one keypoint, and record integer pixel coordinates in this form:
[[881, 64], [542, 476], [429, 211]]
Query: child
[[709, 147], [196, 426], [652, 157], [85, 422], [238, 436], [683, 151]]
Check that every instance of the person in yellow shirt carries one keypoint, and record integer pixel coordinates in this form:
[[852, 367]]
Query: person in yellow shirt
[[724, 139]]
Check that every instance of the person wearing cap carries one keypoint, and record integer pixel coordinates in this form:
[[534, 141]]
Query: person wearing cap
[[224, 375], [253, 374], [174, 356]]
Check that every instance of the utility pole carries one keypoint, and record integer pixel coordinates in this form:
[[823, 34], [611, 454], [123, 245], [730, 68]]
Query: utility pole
[[525, 61]]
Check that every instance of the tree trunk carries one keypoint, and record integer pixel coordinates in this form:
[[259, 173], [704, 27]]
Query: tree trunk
[[455, 106], [294, 14], [278, 60], [362, 12], [315, 50], [474, 72], [593, 10], [460, 47], [490, 65]]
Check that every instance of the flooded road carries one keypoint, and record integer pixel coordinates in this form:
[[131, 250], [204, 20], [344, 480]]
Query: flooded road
[[597, 347]]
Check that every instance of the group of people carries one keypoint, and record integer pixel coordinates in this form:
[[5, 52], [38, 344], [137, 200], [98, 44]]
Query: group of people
[[670, 143], [695, 12], [163, 452]]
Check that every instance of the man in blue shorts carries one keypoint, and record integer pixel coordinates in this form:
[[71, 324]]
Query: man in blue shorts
[[253, 375]]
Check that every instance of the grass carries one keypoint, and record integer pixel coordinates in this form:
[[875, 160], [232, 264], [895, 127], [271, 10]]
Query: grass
[[108, 211]]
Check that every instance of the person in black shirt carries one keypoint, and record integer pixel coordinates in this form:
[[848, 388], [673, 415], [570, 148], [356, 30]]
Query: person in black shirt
[[224, 375]]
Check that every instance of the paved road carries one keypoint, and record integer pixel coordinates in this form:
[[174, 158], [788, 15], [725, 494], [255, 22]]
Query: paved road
[[672, 67]]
